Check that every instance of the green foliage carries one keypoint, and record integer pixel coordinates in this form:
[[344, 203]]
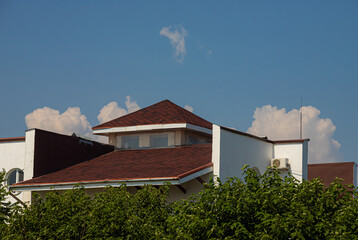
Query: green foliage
[[117, 213], [267, 207], [258, 207], [111, 214], [7, 209]]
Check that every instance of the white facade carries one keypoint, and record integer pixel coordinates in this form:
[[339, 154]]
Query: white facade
[[18, 155], [297, 154], [12, 157], [233, 149]]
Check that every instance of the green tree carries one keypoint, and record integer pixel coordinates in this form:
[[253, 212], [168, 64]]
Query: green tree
[[117, 213], [57, 216], [111, 214], [6, 207], [267, 207], [257, 207]]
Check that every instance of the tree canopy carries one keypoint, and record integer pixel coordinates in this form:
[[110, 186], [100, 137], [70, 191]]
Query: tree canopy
[[257, 207]]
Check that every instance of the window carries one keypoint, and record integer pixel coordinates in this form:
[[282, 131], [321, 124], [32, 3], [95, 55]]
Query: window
[[130, 142], [191, 139], [257, 171], [159, 140], [15, 176]]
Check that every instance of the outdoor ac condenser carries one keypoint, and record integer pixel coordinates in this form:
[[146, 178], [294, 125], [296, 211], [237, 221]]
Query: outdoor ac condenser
[[280, 163]]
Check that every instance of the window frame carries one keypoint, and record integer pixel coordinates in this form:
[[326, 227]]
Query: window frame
[[137, 137], [158, 135]]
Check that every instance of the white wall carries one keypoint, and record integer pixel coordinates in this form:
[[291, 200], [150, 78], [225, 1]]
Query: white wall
[[12, 155], [19, 155], [29, 161], [297, 156], [231, 151]]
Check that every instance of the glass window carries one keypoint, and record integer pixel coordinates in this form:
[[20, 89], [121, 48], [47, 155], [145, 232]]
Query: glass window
[[160, 140], [15, 176], [191, 139], [130, 142]]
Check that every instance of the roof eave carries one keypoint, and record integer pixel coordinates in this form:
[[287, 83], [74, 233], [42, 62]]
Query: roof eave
[[12, 139], [114, 183], [151, 127], [291, 141]]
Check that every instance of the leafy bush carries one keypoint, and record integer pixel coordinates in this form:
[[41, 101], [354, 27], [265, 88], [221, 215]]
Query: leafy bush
[[258, 207], [113, 213], [267, 207], [7, 208]]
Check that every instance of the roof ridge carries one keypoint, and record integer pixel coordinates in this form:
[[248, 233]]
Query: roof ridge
[[163, 112], [128, 114]]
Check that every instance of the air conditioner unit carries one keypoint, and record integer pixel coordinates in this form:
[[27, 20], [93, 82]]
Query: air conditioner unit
[[280, 163]]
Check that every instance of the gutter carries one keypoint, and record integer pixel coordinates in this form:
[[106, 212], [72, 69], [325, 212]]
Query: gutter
[[134, 182]]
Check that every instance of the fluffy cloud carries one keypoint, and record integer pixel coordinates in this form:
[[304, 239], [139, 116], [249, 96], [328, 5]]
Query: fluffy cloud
[[189, 108], [177, 40], [132, 106], [112, 110], [68, 122], [73, 121], [281, 124]]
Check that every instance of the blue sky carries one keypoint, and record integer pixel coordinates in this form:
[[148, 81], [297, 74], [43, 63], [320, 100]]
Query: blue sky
[[240, 55]]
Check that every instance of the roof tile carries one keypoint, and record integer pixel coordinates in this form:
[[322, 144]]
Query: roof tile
[[131, 164], [164, 112]]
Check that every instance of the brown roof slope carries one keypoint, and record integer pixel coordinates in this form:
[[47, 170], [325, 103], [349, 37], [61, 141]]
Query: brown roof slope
[[163, 112], [133, 164]]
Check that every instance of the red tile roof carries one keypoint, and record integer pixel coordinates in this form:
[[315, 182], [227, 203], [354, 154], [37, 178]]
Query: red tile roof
[[176, 162], [164, 112]]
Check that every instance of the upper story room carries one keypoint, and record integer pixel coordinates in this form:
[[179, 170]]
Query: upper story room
[[161, 125]]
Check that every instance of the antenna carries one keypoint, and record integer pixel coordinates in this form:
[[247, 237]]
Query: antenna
[[301, 120]]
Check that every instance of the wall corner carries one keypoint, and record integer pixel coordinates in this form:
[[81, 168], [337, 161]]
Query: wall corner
[[305, 160], [216, 150], [29, 160]]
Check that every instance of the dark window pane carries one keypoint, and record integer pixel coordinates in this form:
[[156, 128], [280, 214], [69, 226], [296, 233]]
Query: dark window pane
[[15, 176], [130, 142], [159, 140], [20, 175], [192, 139]]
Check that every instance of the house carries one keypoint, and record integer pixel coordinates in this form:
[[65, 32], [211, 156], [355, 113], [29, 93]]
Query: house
[[157, 144]]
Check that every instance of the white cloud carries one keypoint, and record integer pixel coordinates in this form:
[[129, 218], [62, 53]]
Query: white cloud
[[68, 122], [208, 55], [112, 110], [132, 106], [280, 124], [177, 40], [189, 108], [73, 121]]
